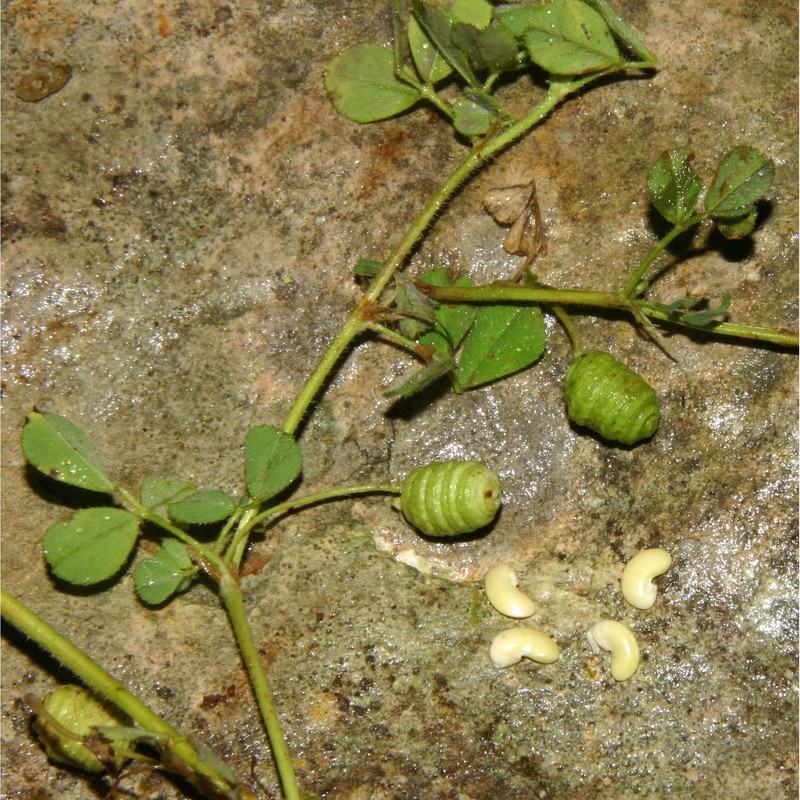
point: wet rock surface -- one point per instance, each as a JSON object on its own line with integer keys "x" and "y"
{"x": 180, "y": 222}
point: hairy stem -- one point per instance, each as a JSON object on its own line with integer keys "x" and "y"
{"x": 728, "y": 330}
{"x": 355, "y": 322}
{"x": 498, "y": 293}
{"x": 608, "y": 300}
{"x": 234, "y": 604}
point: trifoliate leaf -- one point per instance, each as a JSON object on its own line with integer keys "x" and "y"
{"x": 62, "y": 451}
{"x": 362, "y": 85}
{"x": 92, "y": 546}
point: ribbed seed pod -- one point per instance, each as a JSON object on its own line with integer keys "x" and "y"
{"x": 79, "y": 712}
{"x": 610, "y": 398}
{"x": 448, "y": 498}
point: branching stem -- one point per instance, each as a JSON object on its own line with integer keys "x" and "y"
{"x": 481, "y": 152}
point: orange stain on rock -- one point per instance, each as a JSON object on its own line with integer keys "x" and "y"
{"x": 165, "y": 26}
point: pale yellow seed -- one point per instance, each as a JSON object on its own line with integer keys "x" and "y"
{"x": 503, "y": 594}
{"x": 637, "y": 577}
{"x": 514, "y": 644}
{"x": 617, "y": 639}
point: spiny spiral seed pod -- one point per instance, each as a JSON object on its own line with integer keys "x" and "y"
{"x": 610, "y": 398}
{"x": 448, "y": 498}
{"x": 77, "y": 711}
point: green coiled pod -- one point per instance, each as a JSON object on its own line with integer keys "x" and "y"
{"x": 74, "y": 710}
{"x": 610, "y": 398}
{"x": 448, "y": 498}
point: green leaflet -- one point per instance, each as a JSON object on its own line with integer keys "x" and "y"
{"x": 710, "y": 314}
{"x": 431, "y": 65}
{"x": 438, "y": 26}
{"x": 744, "y": 174}
{"x": 202, "y": 508}
{"x": 157, "y": 579}
{"x": 157, "y": 493}
{"x": 471, "y": 119}
{"x": 515, "y": 18}
{"x": 272, "y": 461}
{"x": 622, "y": 30}
{"x": 473, "y": 12}
{"x": 454, "y": 320}
{"x": 62, "y": 451}
{"x": 491, "y": 49}
{"x": 568, "y": 37}
{"x": 92, "y": 546}
{"x": 362, "y": 84}
{"x": 502, "y": 340}
{"x": 740, "y": 227}
{"x": 674, "y": 186}
{"x": 682, "y": 310}
{"x": 442, "y": 364}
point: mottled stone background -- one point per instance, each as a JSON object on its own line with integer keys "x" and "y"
{"x": 180, "y": 223}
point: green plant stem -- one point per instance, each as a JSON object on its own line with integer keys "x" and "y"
{"x": 498, "y": 293}
{"x": 236, "y": 549}
{"x": 571, "y": 330}
{"x": 632, "y": 286}
{"x": 238, "y": 514}
{"x": 234, "y": 604}
{"x": 732, "y": 330}
{"x": 608, "y": 300}
{"x": 319, "y": 497}
{"x": 432, "y": 96}
{"x": 94, "y": 676}
{"x": 393, "y": 336}
{"x": 355, "y": 322}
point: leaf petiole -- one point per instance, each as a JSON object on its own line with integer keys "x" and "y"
{"x": 632, "y": 287}
{"x": 312, "y": 499}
